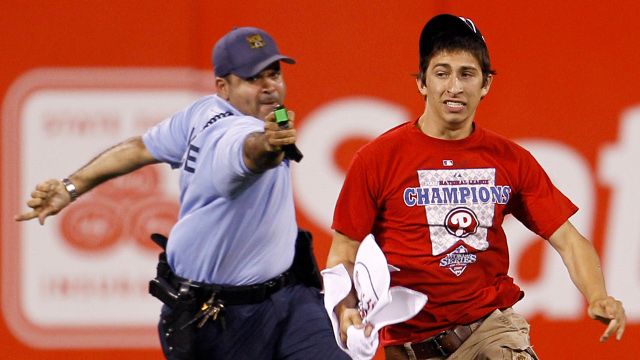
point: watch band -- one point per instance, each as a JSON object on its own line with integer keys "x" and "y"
{"x": 71, "y": 189}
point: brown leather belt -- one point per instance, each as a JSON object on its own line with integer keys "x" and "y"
{"x": 441, "y": 345}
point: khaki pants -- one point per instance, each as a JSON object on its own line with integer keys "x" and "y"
{"x": 503, "y": 335}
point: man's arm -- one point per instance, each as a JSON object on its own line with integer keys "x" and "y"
{"x": 51, "y": 196}
{"x": 343, "y": 251}
{"x": 583, "y": 264}
{"x": 263, "y": 150}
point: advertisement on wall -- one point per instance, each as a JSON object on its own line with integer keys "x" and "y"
{"x": 77, "y": 286}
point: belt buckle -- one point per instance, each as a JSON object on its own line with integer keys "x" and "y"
{"x": 276, "y": 282}
{"x": 270, "y": 284}
{"x": 436, "y": 340}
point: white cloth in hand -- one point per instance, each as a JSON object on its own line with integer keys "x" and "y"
{"x": 379, "y": 305}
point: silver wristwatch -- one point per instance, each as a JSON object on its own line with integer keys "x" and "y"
{"x": 71, "y": 189}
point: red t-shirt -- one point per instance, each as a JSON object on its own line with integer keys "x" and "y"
{"x": 436, "y": 209}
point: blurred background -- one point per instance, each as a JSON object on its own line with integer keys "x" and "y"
{"x": 79, "y": 76}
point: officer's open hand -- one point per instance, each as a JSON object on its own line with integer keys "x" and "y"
{"x": 47, "y": 199}
{"x": 611, "y": 312}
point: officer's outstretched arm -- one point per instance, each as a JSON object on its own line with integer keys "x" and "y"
{"x": 51, "y": 196}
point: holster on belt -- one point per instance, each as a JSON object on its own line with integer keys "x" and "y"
{"x": 160, "y": 287}
{"x": 180, "y": 337}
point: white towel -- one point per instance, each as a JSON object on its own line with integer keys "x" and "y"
{"x": 379, "y": 305}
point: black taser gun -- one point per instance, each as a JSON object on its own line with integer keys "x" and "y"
{"x": 291, "y": 151}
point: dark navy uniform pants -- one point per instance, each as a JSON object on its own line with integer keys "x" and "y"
{"x": 291, "y": 324}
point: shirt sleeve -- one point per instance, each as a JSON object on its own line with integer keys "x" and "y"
{"x": 539, "y": 205}
{"x": 168, "y": 140}
{"x": 229, "y": 171}
{"x": 356, "y": 207}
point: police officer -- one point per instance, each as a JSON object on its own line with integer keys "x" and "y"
{"x": 227, "y": 280}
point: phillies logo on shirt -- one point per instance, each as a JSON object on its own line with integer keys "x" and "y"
{"x": 459, "y": 206}
{"x": 461, "y": 222}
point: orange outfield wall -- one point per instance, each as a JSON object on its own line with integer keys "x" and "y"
{"x": 567, "y": 73}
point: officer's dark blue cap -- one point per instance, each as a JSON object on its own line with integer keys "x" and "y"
{"x": 446, "y": 25}
{"x": 246, "y": 51}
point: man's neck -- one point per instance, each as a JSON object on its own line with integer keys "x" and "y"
{"x": 445, "y": 131}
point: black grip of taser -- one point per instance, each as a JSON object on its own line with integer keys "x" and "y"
{"x": 291, "y": 151}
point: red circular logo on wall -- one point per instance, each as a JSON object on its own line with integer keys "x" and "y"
{"x": 131, "y": 207}
{"x": 91, "y": 227}
{"x": 150, "y": 216}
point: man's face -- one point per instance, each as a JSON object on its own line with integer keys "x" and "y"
{"x": 453, "y": 88}
{"x": 256, "y": 96}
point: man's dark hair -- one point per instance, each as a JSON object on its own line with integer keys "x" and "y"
{"x": 447, "y": 43}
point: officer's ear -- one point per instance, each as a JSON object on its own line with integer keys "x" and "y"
{"x": 222, "y": 85}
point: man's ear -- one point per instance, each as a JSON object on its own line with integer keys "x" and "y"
{"x": 422, "y": 87}
{"x": 485, "y": 88}
{"x": 223, "y": 87}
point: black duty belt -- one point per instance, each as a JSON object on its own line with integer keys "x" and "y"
{"x": 233, "y": 295}
{"x": 172, "y": 289}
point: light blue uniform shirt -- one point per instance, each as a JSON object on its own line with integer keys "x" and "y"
{"x": 235, "y": 227}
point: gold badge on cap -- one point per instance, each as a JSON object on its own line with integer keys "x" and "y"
{"x": 255, "y": 41}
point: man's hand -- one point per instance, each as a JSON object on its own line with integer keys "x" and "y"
{"x": 609, "y": 311}
{"x": 263, "y": 150}
{"x": 348, "y": 317}
{"x": 277, "y": 136}
{"x": 583, "y": 264}
{"x": 47, "y": 199}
